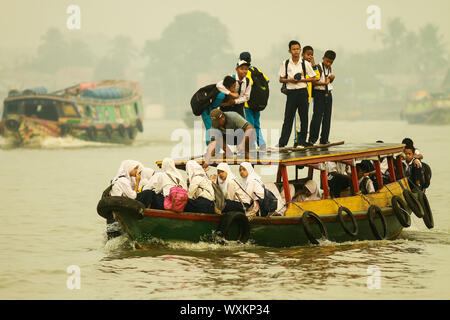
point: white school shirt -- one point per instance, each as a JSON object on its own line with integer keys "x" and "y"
{"x": 369, "y": 184}
{"x": 338, "y": 167}
{"x": 326, "y": 71}
{"x": 293, "y": 69}
{"x": 244, "y": 96}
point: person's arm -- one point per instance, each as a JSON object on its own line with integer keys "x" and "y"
{"x": 246, "y": 96}
{"x": 249, "y": 135}
{"x": 210, "y": 152}
{"x": 225, "y": 91}
{"x": 193, "y": 187}
{"x": 312, "y": 75}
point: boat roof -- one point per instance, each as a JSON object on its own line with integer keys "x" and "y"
{"x": 305, "y": 156}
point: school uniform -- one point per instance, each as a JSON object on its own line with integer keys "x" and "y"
{"x": 200, "y": 191}
{"x": 297, "y": 100}
{"x": 337, "y": 182}
{"x": 323, "y": 101}
{"x": 244, "y": 89}
{"x": 205, "y": 114}
{"x": 234, "y": 195}
{"x": 366, "y": 185}
{"x": 414, "y": 174}
{"x": 297, "y": 118}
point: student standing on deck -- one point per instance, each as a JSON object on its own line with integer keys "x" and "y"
{"x": 323, "y": 101}
{"x": 252, "y": 116}
{"x": 291, "y": 73}
{"x": 308, "y": 55}
{"x": 244, "y": 88}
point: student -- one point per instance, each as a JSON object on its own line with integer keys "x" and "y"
{"x": 123, "y": 184}
{"x": 339, "y": 177}
{"x": 244, "y": 88}
{"x": 161, "y": 183}
{"x": 146, "y": 175}
{"x": 229, "y": 128}
{"x": 310, "y": 193}
{"x": 252, "y": 116}
{"x": 307, "y": 55}
{"x": 323, "y": 100}
{"x": 410, "y": 144}
{"x": 200, "y": 191}
{"x": 365, "y": 183}
{"x": 230, "y": 84}
{"x": 297, "y": 93}
{"x": 234, "y": 195}
{"x": 413, "y": 170}
{"x": 252, "y": 184}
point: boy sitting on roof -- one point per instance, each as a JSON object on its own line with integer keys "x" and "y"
{"x": 229, "y": 128}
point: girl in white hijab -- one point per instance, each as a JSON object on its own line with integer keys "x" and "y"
{"x": 123, "y": 184}
{"x": 251, "y": 181}
{"x": 200, "y": 191}
{"x": 230, "y": 187}
{"x": 312, "y": 192}
{"x": 146, "y": 175}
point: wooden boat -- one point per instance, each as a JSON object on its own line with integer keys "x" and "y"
{"x": 105, "y": 111}
{"x": 381, "y": 215}
{"x": 427, "y": 108}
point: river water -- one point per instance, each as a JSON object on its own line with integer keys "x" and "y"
{"x": 49, "y": 223}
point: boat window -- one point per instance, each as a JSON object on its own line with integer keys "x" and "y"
{"x": 14, "y": 107}
{"x": 69, "y": 110}
{"x": 118, "y": 113}
{"x": 41, "y": 109}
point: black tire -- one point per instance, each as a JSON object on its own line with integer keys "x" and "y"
{"x": 228, "y": 219}
{"x": 130, "y": 132}
{"x": 107, "y": 205}
{"x": 139, "y": 125}
{"x": 400, "y": 210}
{"x": 92, "y": 133}
{"x": 413, "y": 203}
{"x": 428, "y": 215}
{"x": 355, "y": 231}
{"x": 307, "y": 229}
{"x": 65, "y": 129}
{"x": 121, "y": 130}
{"x": 108, "y": 131}
{"x": 373, "y": 209}
{"x": 12, "y": 125}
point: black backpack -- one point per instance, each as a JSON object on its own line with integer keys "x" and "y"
{"x": 203, "y": 98}
{"x": 426, "y": 175}
{"x": 259, "y": 96}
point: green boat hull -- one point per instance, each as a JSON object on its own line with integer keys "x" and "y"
{"x": 271, "y": 232}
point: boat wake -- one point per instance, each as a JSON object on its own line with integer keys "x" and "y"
{"x": 53, "y": 143}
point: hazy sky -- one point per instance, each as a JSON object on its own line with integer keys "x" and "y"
{"x": 253, "y": 25}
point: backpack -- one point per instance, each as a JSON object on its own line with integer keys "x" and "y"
{"x": 269, "y": 203}
{"x": 219, "y": 201}
{"x": 203, "y": 98}
{"x": 259, "y": 95}
{"x": 426, "y": 175}
{"x": 176, "y": 200}
{"x": 284, "y": 89}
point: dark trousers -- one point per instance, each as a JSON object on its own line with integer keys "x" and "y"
{"x": 149, "y": 197}
{"x": 297, "y": 100}
{"x": 200, "y": 205}
{"x": 321, "y": 116}
{"x": 337, "y": 184}
{"x": 233, "y": 206}
{"x": 239, "y": 108}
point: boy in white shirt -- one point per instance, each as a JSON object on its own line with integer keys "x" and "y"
{"x": 291, "y": 74}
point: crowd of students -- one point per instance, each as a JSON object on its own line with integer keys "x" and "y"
{"x": 302, "y": 80}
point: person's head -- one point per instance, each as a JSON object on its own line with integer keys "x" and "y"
{"x": 310, "y": 187}
{"x": 308, "y": 53}
{"x": 295, "y": 48}
{"x": 245, "y": 56}
{"x": 134, "y": 171}
{"x": 242, "y": 69}
{"x": 218, "y": 118}
{"x": 222, "y": 174}
{"x": 408, "y": 142}
{"x": 409, "y": 153}
{"x": 229, "y": 82}
{"x": 360, "y": 170}
{"x": 246, "y": 169}
{"x": 328, "y": 58}
{"x": 243, "y": 172}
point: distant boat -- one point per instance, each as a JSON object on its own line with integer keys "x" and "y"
{"x": 104, "y": 111}
{"x": 426, "y": 108}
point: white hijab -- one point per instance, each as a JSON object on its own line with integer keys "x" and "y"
{"x": 146, "y": 175}
{"x": 168, "y": 167}
{"x": 252, "y": 184}
{"x": 194, "y": 169}
{"x": 199, "y": 183}
{"x": 311, "y": 185}
{"x": 223, "y": 184}
{"x": 125, "y": 167}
